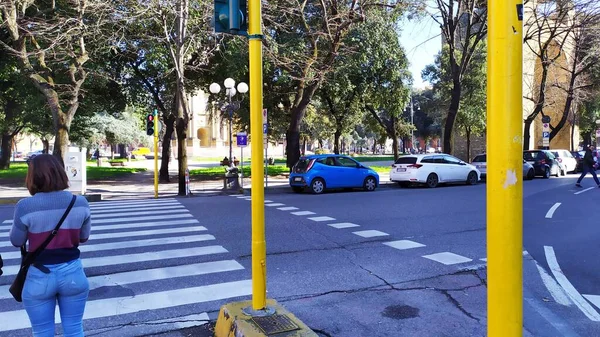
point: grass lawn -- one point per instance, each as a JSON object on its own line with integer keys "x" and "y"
{"x": 214, "y": 173}
{"x": 19, "y": 171}
{"x": 381, "y": 169}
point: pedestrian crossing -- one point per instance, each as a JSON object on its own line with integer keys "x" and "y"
{"x": 146, "y": 260}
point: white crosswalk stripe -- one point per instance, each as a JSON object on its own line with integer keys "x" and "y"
{"x": 163, "y": 258}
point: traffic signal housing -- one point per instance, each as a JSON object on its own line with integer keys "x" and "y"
{"x": 150, "y": 124}
{"x": 231, "y": 17}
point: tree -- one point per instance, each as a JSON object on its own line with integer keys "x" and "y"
{"x": 464, "y": 28}
{"x": 50, "y": 41}
{"x": 304, "y": 39}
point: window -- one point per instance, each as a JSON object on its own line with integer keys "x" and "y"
{"x": 329, "y": 161}
{"x": 429, "y": 160}
{"x": 407, "y": 160}
{"x": 480, "y": 158}
{"x": 532, "y": 155}
{"x": 439, "y": 160}
{"x": 451, "y": 160}
{"x": 346, "y": 162}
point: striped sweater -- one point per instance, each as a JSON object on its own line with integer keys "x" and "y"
{"x": 36, "y": 217}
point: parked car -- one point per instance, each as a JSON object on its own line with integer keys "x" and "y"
{"x": 432, "y": 170}
{"x": 480, "y": 162}
{"x": 544, "y": 163}
{"x": 579, "y": 157}
{"x": 330, "y": 171}
{"x": 566, "y": 160}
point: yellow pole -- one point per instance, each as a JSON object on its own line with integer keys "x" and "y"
{"x": 259, "y": 246}
{"x": 155, "y": 154}
{"x": 505, "y": 167}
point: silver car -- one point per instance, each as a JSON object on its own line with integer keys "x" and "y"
{"x": 480, "y": 161}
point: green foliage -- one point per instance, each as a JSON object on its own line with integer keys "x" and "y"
{"x": 215, "y": 173}
{"x": 17, "y": 172}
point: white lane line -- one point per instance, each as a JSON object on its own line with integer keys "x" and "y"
{"x": 266, "y": 201}
{"x": 161, "y": 255}
{"x": 287, "y": 208}
{"x": 557, "y": 293}
{"x": 404, "y": 244}
{"x": 448, "y": 258}
{"x": 130, "y": 202}
{"x": 149, "y": 232}
{"x": 304, "y": 213}
{"x": 552, "y": 210}
{"x": 13, "y": 320}
{"x": 91, "y": 247}
{"x": 154, "y": 208}
{"x": 342, "y": 225}
{"x": 156, "y": 274}
{"x": 275, "y": 204}
{"x": 7, "y": 221}
{"x": 152, "y": 212}
{"x": 575, "y": 296}
{"x": 322, "y": 218}
{"x": 137, "y": 206}
{"x": 142, "y": 218}
{"x": 370, "y": 233}
{"x": 587, "y": 189}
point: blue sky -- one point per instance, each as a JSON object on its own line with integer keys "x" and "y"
{"x": 421, "y": 41}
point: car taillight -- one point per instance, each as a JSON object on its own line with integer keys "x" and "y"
{"x": 415, "y": 166}
{"x": 543, "y": 162}
{"x": 310, "y": 165}
{"x": 559, "y": 160}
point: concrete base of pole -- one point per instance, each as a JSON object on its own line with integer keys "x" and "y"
{"x": 235, "y": 321}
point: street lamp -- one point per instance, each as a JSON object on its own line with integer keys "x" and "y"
{"x": 412, "y": 114}
{"x": 230, "y": 91}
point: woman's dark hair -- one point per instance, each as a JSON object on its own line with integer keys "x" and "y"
{"x": 46, "y": 174}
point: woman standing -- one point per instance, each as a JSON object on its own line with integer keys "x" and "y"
{"x": 57, "y": 274}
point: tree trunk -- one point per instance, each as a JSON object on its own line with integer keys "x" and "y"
{"x": 61, "y": 143}
{"x": 6, "y": 151}
{"x": 45, "y": 145}
{"x": 452, "y": 112}
{"x": 395, "y": 147}
{"x": 468, "y": 134}
{"x": 573, "y": 148}
{"x": 163, "y": 173}
{"x": 527, "y": 133}
{"x": 336, "y": 141}
{"x": 293, "y": 132}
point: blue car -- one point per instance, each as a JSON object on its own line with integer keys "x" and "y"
{"x": 329, "y": 171}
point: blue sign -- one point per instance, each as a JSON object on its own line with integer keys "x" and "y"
{"x": 265, "y": 126}
{"x": 242, "y": 139}
{"x": 545, "y": 134}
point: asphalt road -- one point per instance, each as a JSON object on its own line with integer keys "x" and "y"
{"x": 395, "y": 262}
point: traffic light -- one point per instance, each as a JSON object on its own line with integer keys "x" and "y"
{"x": 150, "y": 125}
{"x": 230, "y": 17}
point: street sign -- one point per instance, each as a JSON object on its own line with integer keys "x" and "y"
{"x": 546, "y": 126}
{"x": 545, "y": 119}
{"x": 242, "y": 139}
{"x": 546, "y": 142}
{"x": 265, "y": 128}
{"x": 546, "y": 134}
{"x": 265, "y": 121}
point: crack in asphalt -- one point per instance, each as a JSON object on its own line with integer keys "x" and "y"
{"x": 458, "y": 305}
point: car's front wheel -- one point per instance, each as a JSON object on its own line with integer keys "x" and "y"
{"x": 472, "y": 178}
{"x": 370, "y": 184}
{"x": 317, "y": 186}
{"x": 546, "y": 173}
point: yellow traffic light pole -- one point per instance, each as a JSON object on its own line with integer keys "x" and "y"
{"x": 259, "y": 246}
{"x": 504, "y": 174}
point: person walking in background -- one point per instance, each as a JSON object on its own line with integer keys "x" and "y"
{"x": 57, "y": 274}
{"x": 589, "y": 165}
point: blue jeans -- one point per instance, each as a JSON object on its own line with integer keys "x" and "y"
{"x": 67, "y": 284}
{"x": 587, "y": 169}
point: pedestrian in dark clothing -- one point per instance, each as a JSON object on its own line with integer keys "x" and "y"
{"x": 588, "y": 166}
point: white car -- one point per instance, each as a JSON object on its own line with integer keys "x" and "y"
{"x": 432, "y": 170}
{"x": 566, "y": 160}
{"x": 480, "y": 162}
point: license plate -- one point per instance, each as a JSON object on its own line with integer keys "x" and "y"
{"x": 298, "y": 179}
{"x": 401, "y": 169}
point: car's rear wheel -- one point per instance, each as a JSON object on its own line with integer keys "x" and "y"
{"x": 530, "y": 174}
{"x": 297, "y": 189}
{"x": 432, "y": 180}
{"x": 472, "y": 178}
{"x": 317, "y": 186}
{"x": 370, "y": 184}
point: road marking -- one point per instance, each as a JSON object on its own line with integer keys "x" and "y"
{"x": 321, "y": 218}
{"x": 557, "y": 293}
{"x": 143, "y": 218}
{"x": 139, "y": 225}
{"x": 275, "y": 204}
{"x": 121, "y": 209}
{"x": 552, "y": 210}
{"x": 587, "y": 189}
{"x": 287, "y": 208}
{"x": 342, "y": 225}
{"x": 90, "y": 262}
{"x": 447, "y": 258}
{"x": 404, "y": 244}
{"x": 145, "y": 275}
{"x": 575, "y": 296}
{"x": 13, "y": 320}
{"x": 7, "y": 221}
{"x": 131, "y": 202}
{"x": 91, "y": 247}
{"x": 137, "y": 206}
{"x": 304, "y": 213}
{"x": 559, "y": 324}
{"x": 370, "y": 233}
{"x": 266, "y": 201}
{"x": 152, "y": 212}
